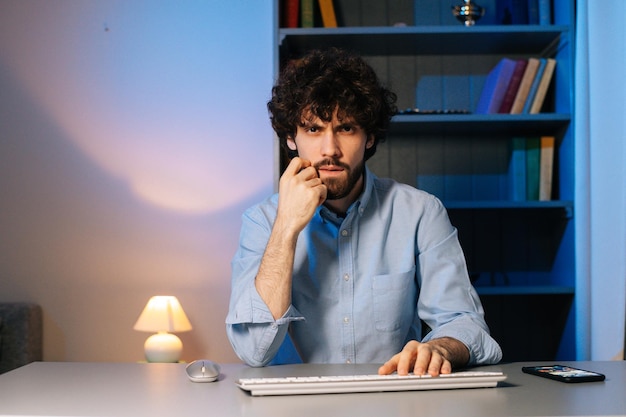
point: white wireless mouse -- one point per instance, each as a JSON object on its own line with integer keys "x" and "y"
{"x": 203, "y": 370}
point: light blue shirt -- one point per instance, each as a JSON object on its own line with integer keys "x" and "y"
{"x": 362, "y": 285}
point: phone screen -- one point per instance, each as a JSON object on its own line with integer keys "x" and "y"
{"x": 564, "y": 373}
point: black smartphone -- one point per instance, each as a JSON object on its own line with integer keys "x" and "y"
{"x": 563, "y": 373}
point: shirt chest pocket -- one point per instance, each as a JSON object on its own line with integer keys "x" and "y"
{"x": 394, "y": 300}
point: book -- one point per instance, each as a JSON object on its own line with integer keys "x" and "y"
{"x": 545, "y": 12}
{"x": 495, "y": 87}
{"x": 512, "y": 12}
{"x": 533, "y": 12}
{"x": 534, "y": 86}
{"x": 290, "y": 13}
{"x": 524, "y": 87}
{"x": 542, "y": 89}
{"x": 511, "y": 90}
{"x": 532, "y": 168}
{"x": 517, "y": 169}
{"x": 306, "y": 13}
{"x": 329, "y": 19}
{"x": 546, "y": 164}
{"x": 503, "y": 12}
{"x": 520, "y": 12}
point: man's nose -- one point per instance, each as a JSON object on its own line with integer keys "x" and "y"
{"x": 329, "y": 145}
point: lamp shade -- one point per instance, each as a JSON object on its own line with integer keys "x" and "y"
{"x": 163, "y": 313}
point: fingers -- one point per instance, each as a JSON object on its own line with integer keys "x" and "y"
{"x": 323, "y": 193}
{"x": 301, "y": 168}
{"x": 301, "y": 192}
{"x": 419, "y": 358}
{"x": 296, "y": 165}
{"x": 389, "y": 367}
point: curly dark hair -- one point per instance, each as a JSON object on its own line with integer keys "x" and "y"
{"x": 323, "y": 81}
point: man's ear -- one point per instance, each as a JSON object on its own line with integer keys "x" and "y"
{"x": 370, "y": 142}
{"x": 291, "y": 144}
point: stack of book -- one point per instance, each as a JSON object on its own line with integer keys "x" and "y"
{"x": 516, "y": 86}
{"x": 531, "y": 168}
{"x": 307, "y": 13}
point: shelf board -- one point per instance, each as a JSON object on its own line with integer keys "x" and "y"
{"x": 426, "y": 40}
{"x": 492, "y": 124}
{"x": 506, "y": 204}
{"x": 525, "y": 290}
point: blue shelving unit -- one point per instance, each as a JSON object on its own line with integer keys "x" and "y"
{"x": 521, "y": 254}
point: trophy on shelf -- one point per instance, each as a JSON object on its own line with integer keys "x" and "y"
{"x": 468, "y": 12}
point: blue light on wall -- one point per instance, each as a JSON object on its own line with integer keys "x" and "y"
{"x": 156, "y": 94}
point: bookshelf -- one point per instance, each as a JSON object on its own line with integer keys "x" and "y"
{"x": 520, "y": 254}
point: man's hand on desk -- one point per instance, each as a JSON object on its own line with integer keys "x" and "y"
{"x": 437, "y": 356}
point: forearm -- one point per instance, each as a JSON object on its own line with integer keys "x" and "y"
{"x": 273, "y": 281}
{"x": 471, "y": 330}
{"x": 253, "y": 332}
{"x": 300, "y": 193}
{"x": 451, "y": 349}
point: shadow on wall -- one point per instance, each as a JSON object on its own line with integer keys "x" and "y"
{"x": 122, "y": 178}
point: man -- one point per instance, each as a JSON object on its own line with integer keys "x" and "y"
{"x": 341, "y": 264}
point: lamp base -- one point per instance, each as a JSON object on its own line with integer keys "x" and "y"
{"x": 163, "y": 347}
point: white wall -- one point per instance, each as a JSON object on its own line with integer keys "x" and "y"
{"x": 607, "y": 65}
{"x": 132, "y": 136}
{"x": 601, "y": 170}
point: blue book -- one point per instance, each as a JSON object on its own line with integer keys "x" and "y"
{"x": 545, "y": 12}
{"x": 495, "y": 87}
{"x": 512, "y": 12}
{"x": 534, "y": 86}
{"x": 533, "y": 12}
{"x": 517, "y": 169}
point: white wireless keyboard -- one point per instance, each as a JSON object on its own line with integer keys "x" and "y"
{"x": 368, "y": 383}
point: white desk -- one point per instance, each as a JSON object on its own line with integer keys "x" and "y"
{"x": 125, "y": 389}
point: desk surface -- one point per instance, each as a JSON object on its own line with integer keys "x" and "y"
{"x": 125, "y": 389}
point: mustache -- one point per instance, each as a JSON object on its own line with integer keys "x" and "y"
{"x": 329, "y": 162}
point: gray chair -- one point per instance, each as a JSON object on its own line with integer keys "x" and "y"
{"x": 20, "y": 335}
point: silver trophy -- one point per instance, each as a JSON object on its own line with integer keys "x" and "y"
{"x": 468, "y": 12}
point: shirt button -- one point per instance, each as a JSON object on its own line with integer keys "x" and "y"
{"x": 344, "y": 233}
{"x": 346, "y": 320}
{"x": 348, "y": 361}
{"x": 346, "y": 277}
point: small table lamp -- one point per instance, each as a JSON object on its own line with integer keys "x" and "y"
{"x": 163, "y": 314}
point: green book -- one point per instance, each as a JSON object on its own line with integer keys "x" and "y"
{"x": 306, "y": 13}
{"x": 533, "y": 153}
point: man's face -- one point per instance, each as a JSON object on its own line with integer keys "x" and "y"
{"x": 336, "y": 149}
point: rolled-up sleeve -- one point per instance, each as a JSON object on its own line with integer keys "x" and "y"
{"x": 251, "y": 329}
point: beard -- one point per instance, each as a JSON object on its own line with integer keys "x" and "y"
{"x": 337, "y": 188}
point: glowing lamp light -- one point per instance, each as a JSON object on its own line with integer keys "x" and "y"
{"x": 163, "y": 314}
